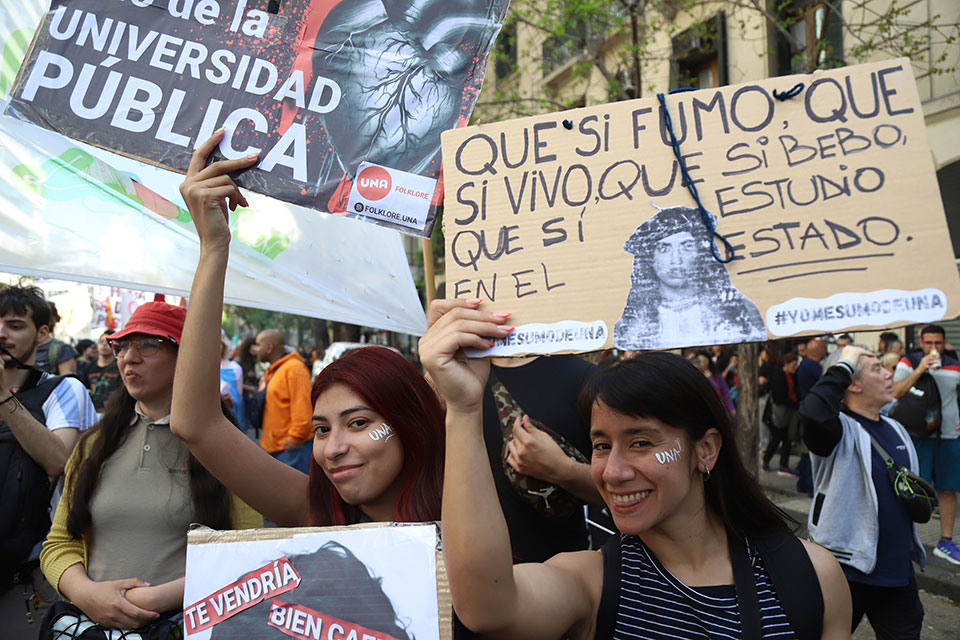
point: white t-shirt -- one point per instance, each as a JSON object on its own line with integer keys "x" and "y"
{"x": 947, "y": 378}
{"x": 68, "y": 406}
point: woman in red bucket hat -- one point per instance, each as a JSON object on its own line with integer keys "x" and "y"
{"x": 378, "y": 425}
{"x": 117, "y": 547}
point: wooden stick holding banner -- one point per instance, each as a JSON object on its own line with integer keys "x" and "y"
{"x": 429, "y": 273}
{"x": 584, "y": 227}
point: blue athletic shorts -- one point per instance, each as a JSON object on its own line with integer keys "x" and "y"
{"x": 947, "y": 468}
{"x": 926, "y": 454}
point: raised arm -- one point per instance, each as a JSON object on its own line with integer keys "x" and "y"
{"x": 49, "y": 445}
{"x": 901, "y": 386}
{"x": 536, "y": 601}
{"x": 277, "y": 491}
{"x": 534, "y": 453}
{"x": 820, "y": 410}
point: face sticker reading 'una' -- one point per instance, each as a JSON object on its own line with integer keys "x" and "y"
{"x": 384, "y": 432}
{"x": 663, "y": 457}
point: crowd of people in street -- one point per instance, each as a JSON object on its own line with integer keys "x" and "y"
{"x": 578, "y": 499}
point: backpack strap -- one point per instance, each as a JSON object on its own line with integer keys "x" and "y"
{"x": 610, "y": 592}
{"x": 53, "y": 356}
{"x": 795, "y": 581}
{"x": 886, "y": 457}
{"x": 40, "y": 389}
{"x": 746, "y": 585}
{"x": 34, "y": 393}
{"x": 26, "y": 500}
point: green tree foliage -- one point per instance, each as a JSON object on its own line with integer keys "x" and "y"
{"x": 244, "y": 321}
{"x": 617, "y": 40}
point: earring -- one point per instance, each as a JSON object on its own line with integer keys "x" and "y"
{"x": 705, "y": 473}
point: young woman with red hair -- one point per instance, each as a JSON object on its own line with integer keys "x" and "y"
{"x": 409, "y": 408}
{"x": 378, "y": 425}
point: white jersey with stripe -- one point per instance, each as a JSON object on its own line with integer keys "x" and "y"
{"x": 947, "y": 378}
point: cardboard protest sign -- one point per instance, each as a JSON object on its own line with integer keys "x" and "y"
{"x": 316, "y": 89}
{"x": 364, "y": 582}
{"x": 582, "y": 224}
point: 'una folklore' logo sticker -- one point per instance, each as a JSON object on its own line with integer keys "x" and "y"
{"x": 374, "y": 183}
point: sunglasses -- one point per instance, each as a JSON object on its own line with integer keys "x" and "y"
{"x": 147, "y": 347}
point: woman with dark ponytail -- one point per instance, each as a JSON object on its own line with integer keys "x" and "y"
{"x": 117, "y": 547}
{"x": 702, "y": 554}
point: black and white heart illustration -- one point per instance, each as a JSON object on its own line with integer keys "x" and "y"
{"x": 406, "y": 71}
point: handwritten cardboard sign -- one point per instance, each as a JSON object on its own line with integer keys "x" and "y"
{"x": 316, "y": 88}
{"x": 581, "y": 222}
{"x": 364, "y": 582}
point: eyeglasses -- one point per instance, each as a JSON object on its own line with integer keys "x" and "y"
{"x": 147, "y": 347}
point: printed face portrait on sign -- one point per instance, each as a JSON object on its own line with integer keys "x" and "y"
{"x": 316, "y": 87}
{"x": 375, "y": 582}
{"x": 678, "y": 291}
{"x": 584, "y": 225}
{"x": 322, "y": 601}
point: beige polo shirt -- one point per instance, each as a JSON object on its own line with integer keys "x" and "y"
{"x": 141, "y": 508}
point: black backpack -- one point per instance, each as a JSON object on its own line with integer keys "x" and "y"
{"x": 919, "y": 409}
{"x": 26, "y": 489}
{"x": 53, "y": 356}
{"x": 255, "y": 409}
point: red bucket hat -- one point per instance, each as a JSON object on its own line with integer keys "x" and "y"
{"x": 157, "y": 319}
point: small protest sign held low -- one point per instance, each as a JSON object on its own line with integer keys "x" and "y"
{"x": 364, "y": 582}
{"x": 316, "y": 88}
{"x": 820, "y": 213}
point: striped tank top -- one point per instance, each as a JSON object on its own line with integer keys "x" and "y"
{"x": 647, "y": 602}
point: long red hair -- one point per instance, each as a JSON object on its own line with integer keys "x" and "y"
{"x": 394, "y": 388}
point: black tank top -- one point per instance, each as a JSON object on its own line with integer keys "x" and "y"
{"x": 642, "y": 600}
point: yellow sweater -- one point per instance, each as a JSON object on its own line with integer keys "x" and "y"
{"x": 61, "y": 550}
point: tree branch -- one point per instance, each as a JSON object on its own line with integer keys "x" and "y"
{"x": 541, "y": 101}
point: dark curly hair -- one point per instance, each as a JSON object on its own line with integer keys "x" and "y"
{"x": 24, "y": 299}
{"x": 335, "y": 583}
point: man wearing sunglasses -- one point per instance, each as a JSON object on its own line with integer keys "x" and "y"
{"x": 40, "y": 418}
